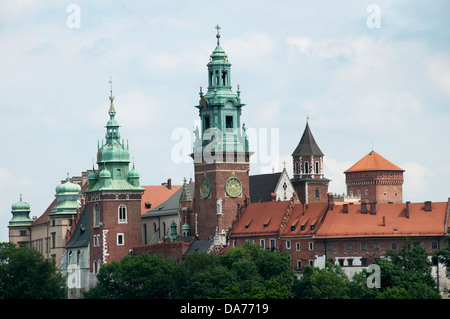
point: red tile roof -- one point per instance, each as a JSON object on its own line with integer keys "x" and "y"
{"x": 373, "y": 162}
{"x": 303, "y": 217}
{"x": 390, "y": 220}
{"x": 155, "y": 195}
{"x": 262, "y": 218}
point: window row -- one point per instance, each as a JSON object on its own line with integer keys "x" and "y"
{"x": 121, "y": 218}
{"x": 376, "y": 246}
{"x": 307, "y": 168}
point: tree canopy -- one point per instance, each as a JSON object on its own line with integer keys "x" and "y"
{"x": 26, "y": 274}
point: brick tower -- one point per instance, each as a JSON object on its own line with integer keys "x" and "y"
{"x": 220, "y": 152}
{"x": 309, "y": 182}
{"x": 375, "y": 179}
{"x": 114, "y": 199}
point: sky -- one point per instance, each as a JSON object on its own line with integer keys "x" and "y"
{"x": 368, "y": 75}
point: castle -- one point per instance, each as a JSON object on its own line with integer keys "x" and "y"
{"x": 106, "y": 214}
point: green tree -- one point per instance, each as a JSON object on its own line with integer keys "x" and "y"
{"x": 327, "y": 283}
{"x": 144, "y": 276}
{"x": 26, "y": 274}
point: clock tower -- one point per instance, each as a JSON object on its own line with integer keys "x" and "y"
{"x": 220, "y": 153}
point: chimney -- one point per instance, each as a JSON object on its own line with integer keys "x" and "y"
{"x": 373, "y": 208}
{"x": 428, "y": 206}
{"x": 345, "y": 208}
{"x": 363, "y": 208}
{"x": 407, "y": 209}
{"x": 330, "y": 201}
{"x": 384, "y": 221}
{"x": 273, "y": 197}
{"x": 169, "y": 183}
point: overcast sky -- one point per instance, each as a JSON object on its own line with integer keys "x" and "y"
{"x": 368, "y": 74}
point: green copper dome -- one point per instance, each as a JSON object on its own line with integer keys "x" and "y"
{"x": 20, "y": 206}
{"x": 68, "y": 187}
{"x": 21, "y": 214}
{"x": 67, "y": 198}
{"x": 113, "y": 160}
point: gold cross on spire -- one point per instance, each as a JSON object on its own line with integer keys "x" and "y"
{"x": 217, "y": 27}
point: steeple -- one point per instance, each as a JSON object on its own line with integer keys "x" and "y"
{"x": 307, "y": 145}
{"x": 220, "y": 108}
{"x": 113, "y": 159}
{"x": 309, "y": 181}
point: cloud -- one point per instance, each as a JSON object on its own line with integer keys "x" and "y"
{"x": 437, "y": 69}
{"x": 415, "y": 182}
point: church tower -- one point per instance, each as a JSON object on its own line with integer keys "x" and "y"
{"x": 114, "y": 199}
{"x": 220, "y": 152}
{"x": 19, "y": 225}
{"x": 309, "y": 182}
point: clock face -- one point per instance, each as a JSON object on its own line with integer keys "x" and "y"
{"x": 205, "y": 187}
{"x": 233, "y": 187}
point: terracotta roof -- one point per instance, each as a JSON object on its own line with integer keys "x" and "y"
{"x": 303, "y": 217}
{"x": 261, "y": 219}
{"x": 389, "y": 220}
{"x": 155, "y": 195}
{"x": 373, "y": 162}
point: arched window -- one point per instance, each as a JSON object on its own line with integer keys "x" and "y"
{"x": 96, "y": 215}
{"x": 317, "y": 167}
{"x": 306, "y": 167}
{"x": 317, "y": 193}
{"x": 122, "y": 214}
{"x": 164, "y": 228}
{"x": 95, "y": 266}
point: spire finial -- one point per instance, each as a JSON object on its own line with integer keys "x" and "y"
{"x": 217, "y": 27}
{"x": 67, "y": 176}
{"x": 112, "y": 110}
{"x": 20, "y": 196}
{"x": 110, "y": 85}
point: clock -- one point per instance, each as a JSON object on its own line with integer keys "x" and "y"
{"x": 233, "y": 187}
{"x": 205, "y": 187}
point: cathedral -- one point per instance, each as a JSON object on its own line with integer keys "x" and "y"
{"x": 105, "y": 214}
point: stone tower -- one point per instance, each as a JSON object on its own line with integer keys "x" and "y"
{"x": 375, "y": 180}
{"x": 220, "y": 152}
{"x": 114, "y": 199}
{"x": 309, "y": 182}
{"x": 19, "y": 225}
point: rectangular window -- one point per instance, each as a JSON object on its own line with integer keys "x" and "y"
{"x": 53, "y": 240}
{"x": 349, "y": 246}
{"x": 363, "y": 246}
{"x": 206, "y": 123}
{"x": 394, "y": 246}
{"x": 272, "y": 244}
{"x": 229, "y": 123}
{"x": 120, "y": 239}
{"x": 330, "y": 246}
{"x": 262, "y": 243}
{"x": 376, "y": 246}
{"x": 299, "y": 264}
{"x": 434, "y": 245}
